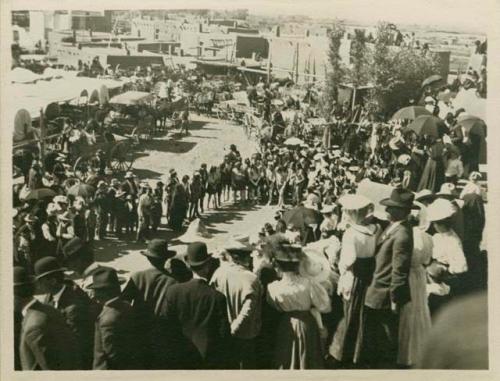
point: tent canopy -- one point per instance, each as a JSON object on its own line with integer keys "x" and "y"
{"x": 132, "y": 98}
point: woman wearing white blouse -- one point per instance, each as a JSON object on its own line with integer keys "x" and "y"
{"x": 356, "y": 266}
{"x": 301, "y": 300}
{"x": 448, "y": 258}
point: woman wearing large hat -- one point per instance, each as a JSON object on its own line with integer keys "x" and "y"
{"x": 356, "y": 266}
{"x": 448, "y": 259}
{"x": 298, "y": 332}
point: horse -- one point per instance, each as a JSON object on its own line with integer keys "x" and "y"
{"x": 204, "y": 101}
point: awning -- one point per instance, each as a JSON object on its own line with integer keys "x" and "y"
{"x": 132, "y": 98}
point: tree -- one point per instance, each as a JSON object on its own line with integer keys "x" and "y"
{"x": 337, "y": 72}
{"x": 397, "y": 73}
{"x": 360, "y": 59}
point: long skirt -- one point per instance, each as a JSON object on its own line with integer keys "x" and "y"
{"x": 414, "y": 319}
{"x": 433, "y": 176}
{"x": 298, "y": 344}
{"x": 348, "y": 339}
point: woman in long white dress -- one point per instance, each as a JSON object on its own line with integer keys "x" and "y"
{"x": 415, "y": 317}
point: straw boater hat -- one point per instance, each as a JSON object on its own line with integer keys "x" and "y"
{"x": 196, "y": 231}
{"x": 327, "y": 209}
{"x": 425, "y": 195}
{"x": 404, "y": 159}
{"x": 129, "y": 175}
{"x": 440, "y": 210}
{"x": 448, "y": 191}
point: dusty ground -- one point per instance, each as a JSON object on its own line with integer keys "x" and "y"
{"x": 206, "y": 144}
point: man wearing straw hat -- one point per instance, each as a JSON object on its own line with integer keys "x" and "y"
{"x": 243, "y": 293}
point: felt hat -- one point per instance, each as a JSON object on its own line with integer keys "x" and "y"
{"x": 289, "y": 253}
{"x": 440, "y": 209}
{"x": 197, "y": 254}
{"x": 46, "y": 266}
{"x": 102, "y": 184}
{"x": 400, "y": 198}
{"x": 105, "y": 278}
{"x": 158, "y": 248}
{"x": 73, "y": 247}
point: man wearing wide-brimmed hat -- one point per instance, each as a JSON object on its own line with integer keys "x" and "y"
{"x": 389, "y": 289}
{"x": 45, "y": 340}
{"x": 69, "y": 299}
{"x": 117, "y": 337}
{"x": 129, "y": 186}
{"x": 200, "y": 313}
{"x": 243, "y": 293}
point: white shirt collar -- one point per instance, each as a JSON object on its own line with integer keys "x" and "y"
{"x": 111, "y": 300}
{"x": 196, "y": 276}
{"x": 392, "y": 226}
{"x": 27, "y": 306}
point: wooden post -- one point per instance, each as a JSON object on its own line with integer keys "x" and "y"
{"x": 269, "y": 64}
{"x": 354, "y": 99}
{"x": 297, "y": 64}
{"x": 43, "y": 133}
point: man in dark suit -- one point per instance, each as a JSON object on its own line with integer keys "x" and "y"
{"x": 147, "y": 290}
{"x": 46, "y": 342}
{"x": 199, "y": 331}
{"x": 389, "y": 290}
{"x": 115, "y": 329}
{"x": 76, "y": 307}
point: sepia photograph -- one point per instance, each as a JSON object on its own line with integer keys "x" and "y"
{"x": 244, "y": 186}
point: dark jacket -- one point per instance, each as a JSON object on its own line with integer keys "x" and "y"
{"x": 198, "y": 326}
{"x": 392, "y": 266}
{"x": 115, "y": 337}
{"x": 47, "y": 343}
{"x": 80, "y": 313}
{"x": 146, "y": 290}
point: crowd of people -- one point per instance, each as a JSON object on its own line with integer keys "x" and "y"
{"x": 337, "y": 281}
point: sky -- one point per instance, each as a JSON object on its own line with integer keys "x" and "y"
{"x": 446, "y": 13}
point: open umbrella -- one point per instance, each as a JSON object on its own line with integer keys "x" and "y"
{"x": 410, "y": 112}
{"x": 293, "y": 141}
{"x": 432, "y": 80}
{"x": 300, "y": 217}
{"x": 82, "y": 190}
{"x": 39, "y": 194}
{"x": 472, "y": 124}
{"x": 427, "y": 125}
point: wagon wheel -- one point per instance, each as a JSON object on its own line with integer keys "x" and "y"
{"x": 81, "y": 167}
{"x": 121, "y": 159}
